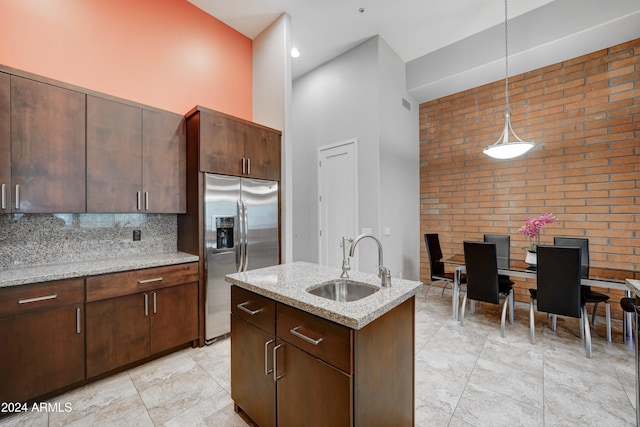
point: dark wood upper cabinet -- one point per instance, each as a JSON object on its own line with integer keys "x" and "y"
{"x": 114, "y": 156}
{"x": 164, "y": 167}
{"x": 47, "y": 148}
{"x": 136, "y": 159}
{"x": 232, "y": 146}
{"x": 5, "y": 142}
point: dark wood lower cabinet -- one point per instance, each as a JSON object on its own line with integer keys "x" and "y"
{"x": 349, "y": 377}
{"x": 310, "y": 391}
{"x": 42, "y": 339}
{"x": 252, "y": 371}
{"x": 126, "y": 329}
{"x": 117, "y": 333}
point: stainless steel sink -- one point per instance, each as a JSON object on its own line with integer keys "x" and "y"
{"x": 343, "y": 290}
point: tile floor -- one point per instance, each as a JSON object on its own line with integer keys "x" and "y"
{"x": 465, "y": 376}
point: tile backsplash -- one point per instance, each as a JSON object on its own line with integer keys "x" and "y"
{"x": 36, "y": 239}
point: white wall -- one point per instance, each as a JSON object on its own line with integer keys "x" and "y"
{"x": 356, "y": 95}
{"x": 272, "y": 89}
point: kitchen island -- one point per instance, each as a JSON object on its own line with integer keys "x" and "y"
{"x": 301, "y": 359}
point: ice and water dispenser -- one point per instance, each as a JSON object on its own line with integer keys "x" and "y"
{"x": 224, "y": 232}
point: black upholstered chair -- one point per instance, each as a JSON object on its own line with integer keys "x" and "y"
{"x": 482, "y": 279}
{"x": 503, "y": 254}
{"x": 591, "y": 297}
{"x": 559, "y": 291}
{"x": 438, "y": 274}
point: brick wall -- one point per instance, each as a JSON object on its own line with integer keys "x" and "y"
{"x": 584, "y": 114}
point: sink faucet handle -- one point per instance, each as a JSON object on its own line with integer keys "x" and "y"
{"x": 385, "y": 274}
{"x": 345, "y": 259}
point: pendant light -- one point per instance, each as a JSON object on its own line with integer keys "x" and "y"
{"x": 504, "y": 148}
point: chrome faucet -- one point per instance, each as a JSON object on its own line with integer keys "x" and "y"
{"x": 345, "y": 260}
{"x": 383, "y": 272}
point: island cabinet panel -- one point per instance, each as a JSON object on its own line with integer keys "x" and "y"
{"x": 252, "y": 386}
{"x": 43, "y": 339}
{"x": 5, "y": 143}
{"x": 136, "y": 314}
{"x": 310, "y": 391}
{"x": 47, "y": 148}
{"x": 318, "y": 372}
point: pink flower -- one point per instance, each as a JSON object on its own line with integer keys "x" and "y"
{"x": 532, "y": 227}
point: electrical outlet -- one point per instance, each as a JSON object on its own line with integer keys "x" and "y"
{"x": 137, "y": 235}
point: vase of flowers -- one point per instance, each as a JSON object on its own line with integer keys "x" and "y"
{"x": 532, "y": 228}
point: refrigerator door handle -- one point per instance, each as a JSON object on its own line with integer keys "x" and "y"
{"x": 245, "y": 234}
{"x": 240, "y": 246}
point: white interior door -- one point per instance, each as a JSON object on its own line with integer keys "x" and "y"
{"x": 337, "y": 199}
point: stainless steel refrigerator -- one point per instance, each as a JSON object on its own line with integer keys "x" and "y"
{"x": 240, "y": 233}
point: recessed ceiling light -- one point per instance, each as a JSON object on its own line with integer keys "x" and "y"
{"x": 295, "y": 52}
{"x": 361, "y": 10}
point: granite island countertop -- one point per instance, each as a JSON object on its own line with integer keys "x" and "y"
{"x": 22, "y": 275}
{"x": 287, "y": 283}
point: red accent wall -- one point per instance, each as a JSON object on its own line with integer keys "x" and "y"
{"x": 164, "y": 53}
{"x": 584, "y": 114}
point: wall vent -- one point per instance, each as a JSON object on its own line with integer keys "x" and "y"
{"x": 406, "y": 104}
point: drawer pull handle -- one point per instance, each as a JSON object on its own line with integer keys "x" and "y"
{"x": 37, "y": 299}
{"x": 267, "y": 371}
{"x": 246, "y": 310}
{"x": 295, "y": 332}
{"x": 155, "y": 279}
{"x": 276, "y": 377}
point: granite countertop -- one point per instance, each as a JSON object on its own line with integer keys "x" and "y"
{"x": 22, "y": 275}
{"x": 287, "y": 283}
{"x": 633, "y": 285}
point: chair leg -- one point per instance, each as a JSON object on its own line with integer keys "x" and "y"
{"x": 587, "y": 330}
{"x": 627, "y": 326}
{"x": 554, "y": 322}
{"x": 464, "y": 303}
{"x": 608, "y": 318}
{"x": 512, "y": 307}
{"x": 593, "y": 315}
{"x": 532, "y": 322}
{"x": 582, "y": 323}
{"x": 443, "y": 289}
{"x": 503, "y": 318}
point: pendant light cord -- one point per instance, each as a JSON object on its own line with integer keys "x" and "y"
{"x": 506, "y": 58}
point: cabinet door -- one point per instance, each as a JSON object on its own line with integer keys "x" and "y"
{"x": 262, "y": 149}
{"x": 221, "y": 144}
{"x": 114, "y": 156}
{"x": 164, "y": 162}
{"x": 117, "y": 332}
{"x": 5, "y": 144}
{"x": 47, "y": 147}
{"x": 311, "y": 392}
{"x": 252, "y": 387}
{"x": 41, "y": 352}
{"x": 174, "y": 316}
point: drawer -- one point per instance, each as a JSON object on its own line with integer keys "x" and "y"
{"x": 130, "y": 282}
{"x": 319, "y": 337}
{"x": 254, "y": 308}
{"x": 42, "y": 296}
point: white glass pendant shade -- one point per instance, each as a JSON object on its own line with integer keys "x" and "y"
{"x": 503, "y": 148}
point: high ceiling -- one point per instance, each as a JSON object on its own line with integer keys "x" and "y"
{"x": 422, "y": 29}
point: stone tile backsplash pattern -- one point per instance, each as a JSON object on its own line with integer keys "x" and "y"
{"x": 37, "y": 239}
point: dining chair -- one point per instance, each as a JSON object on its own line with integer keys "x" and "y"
{"x": 559, "y": 291}
{"x": 438, "y": 274}
{"x": 482, "y": 279}
{"x": 503, "y": 254}
{"x": 591, "y": 296}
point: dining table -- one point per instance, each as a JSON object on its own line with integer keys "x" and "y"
{"x": 601, "y": 277}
